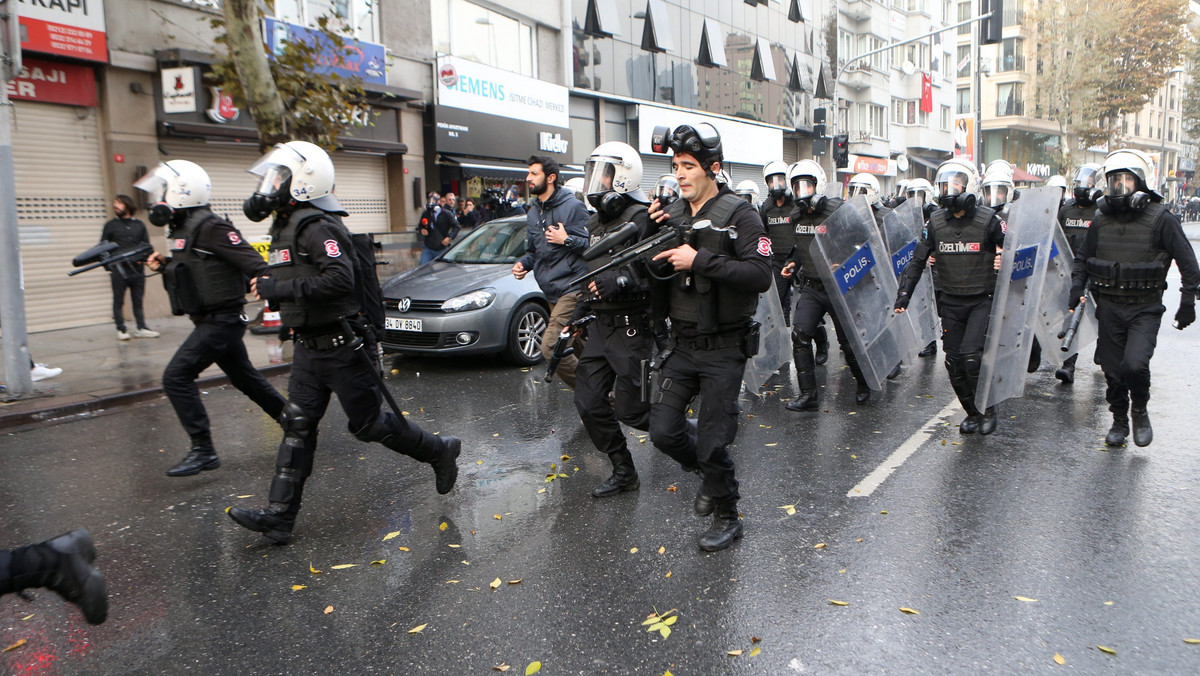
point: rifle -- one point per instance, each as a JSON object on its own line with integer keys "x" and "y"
{"x": 1068, "y": 335}
{"x": 610, "y": 241}
{"x": 669, "y": 237}
{"x": 102, "y": 255}
{"x": 563, "y": 348}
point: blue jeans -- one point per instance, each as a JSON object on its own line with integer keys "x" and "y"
{"x": 428, "y": 254}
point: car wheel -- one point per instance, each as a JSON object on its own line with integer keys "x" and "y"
{"x": 525, "y": 333}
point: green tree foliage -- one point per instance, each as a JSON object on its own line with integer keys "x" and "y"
{"x": 288, "y": 99}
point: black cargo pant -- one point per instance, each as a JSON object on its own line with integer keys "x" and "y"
{"x": 811, "y": 307}
{"x": 964, "y": 330}
{"x": 716, "y": 375}
{"x": 611, "y": 361}
{"x": 1128, "y": 336}
{"x": 784, "y": 286}
{"x": 217, "y": 339}
{"x": 137, "y": 290}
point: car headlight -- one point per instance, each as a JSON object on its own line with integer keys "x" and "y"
{"x": 470, "y": 301}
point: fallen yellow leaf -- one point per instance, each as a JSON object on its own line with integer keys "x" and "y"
{"x": 298, "y": 587}
{"x": 501, "y": 667}
{"x": 495, "y": 584}
{"x": 443, "y": 526}
{"x": 668, "y": 574}
{"x": 478, "y": 462}
{"x": 312, "y": 570}
{"x": 1189, "y": 641}
{"x": 343, "y": 566}
{"x": 516, "y": 581}
{"x": 776, "y": 443}
{"x": 909, "y": 611}
{"x": 819, "y": 545}
{"x": 1026, "y": 599}
{"x": 418, "y": 629}
{"x": 1108, "y": 603}
{"x": 1059, "y": 659}
{"x": 16, "y": 645}
{"x": 533, "y": 668}
{"x": 241, "y": 497}
{"x": 662, "y": 550}
{"x": 674, "y": 489}
{"x": 883, "y": 512}
{"x": 30, "y": 615}
{"x": 403, "y": 549}
{"x": 734, "y": 653}
{"x": 566, "y": 457}
{"x": 1106, "y": 649}
{"x": 454, "y": 546}
{"x": 633, "y": 550}
{"x": 451, "y": 581}
{"x": 390, "y": 535}
{"x": 497, "y": 517}
{"x": 839, "y": 603}
{"x": 756, "y": 650}
{"x": 227, "y": 509}
{"x": 328, "y": 609}
{"x": 380, "y": 562}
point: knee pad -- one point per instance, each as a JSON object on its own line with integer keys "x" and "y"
{"x": 971, "y": 364}
{"x": 804, "y": 336}
{"x": 295, "y": 422}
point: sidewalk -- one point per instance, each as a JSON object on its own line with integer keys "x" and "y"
{"x": 100, "y": 372}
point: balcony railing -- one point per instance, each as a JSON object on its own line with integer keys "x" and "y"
{"x": 1012, "y": 106}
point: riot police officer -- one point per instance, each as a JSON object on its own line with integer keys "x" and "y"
{"x": 812, "y": 208}
{"x": 1075, "y": 217}
{"x": 867, "y": 185}
{"x": 620, "y": 339}
{"x": 748, "y": 190}
{"x": 965, "y": 236}
{"x": 922, "y": 190}
{"x": 711, "y": 302}
{"x": 776, "y": 212}
{"x": 320, "y": 289}
{"x": 1124, "y": 260}
{"x": 205, "y": 278}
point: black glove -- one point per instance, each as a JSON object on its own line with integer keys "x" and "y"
{"x": 902, "y": 300}
{"x": 1073, "y": 301}
{"x": 607, "y": 286}
{"x": 1187, "y": 312}
{"x": 265, "y": 287}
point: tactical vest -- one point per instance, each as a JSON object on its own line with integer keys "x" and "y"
{"x": 637, "y": 297}
{"x": 965, "y": 266}
{"x": 695, "y": 299}
{"x": 1126, "y": 267}
{"x": 1075, "y": 221}
{"x": 288, "y": 261}
{"x": 198, "y": 281}
{"x": 778, "y": 220}
{"x": 806, "y": 227}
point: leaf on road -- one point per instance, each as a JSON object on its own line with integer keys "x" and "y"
{"x": 662, "y": 550}
{"x": 1026, "y": 599}
{"x": 819, "y": 545}
{"x": 668, "y": 574}
{"x": 16, "y": 645}
{"x": 418, "y": 629}
{"x": 790, "y": 509}
{"x": 884, "y": 511}
{"x": 227, "y": 509}
{"x": 497, "y": 517}
{"x": 30, "y": 616}
{"x": 756, "y": 650}
{"x": 633, "y": 550}
{"x": 451, "y": 581}
{"x": 664, "y": 632}
{"x": 312, "y": 570}
{"x": 516, "y": 581}
{"x": 343, "y": 566}
{"x": 1059, "y": 659}
{"x": 565, "y": 457}
{"x": 533, "y": 668}
{"x": 838, "y": 603}
{"x": 241, "y": 497}
{"x": 1108, "y": 603}
{"x": 673, "y": 488}
{"x": 328, "y": 609}
{"x": 776, "y": 443}
{"x": 909, "y": 611}
{"x": 495, "y": 584}
{"x": 550, "y": 477}
{"x": 380, "y": 562}
{"x": 403, "y": 549}
{"x": 298, "y": 587}
{"x": 1106, "y": 649}
{"x": 443, "y": 526}
{"x": 501, "y": 667}
{"x": 734, "y": 653}
{"x": 1189, "y": 641}
{"x": 563, "y": 476}
{"x": 454, "y": 546}
{"x": 390, "y": 535}
{"x": 755, "y": 639}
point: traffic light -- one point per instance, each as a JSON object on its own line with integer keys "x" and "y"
{"x": 991, "y": 31}
{"x": 841, "y": 151}
{"x": 818, "y": 130}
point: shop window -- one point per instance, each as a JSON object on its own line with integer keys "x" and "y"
{"x": 602, "y": 20}
{"x": 353, "y": 18}
{"x": 656, "y": 31}
{"x": 483, "y": 35}
{"x": 712, "y": 45}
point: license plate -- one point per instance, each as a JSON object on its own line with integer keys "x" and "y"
{"x": 398, "y": 324}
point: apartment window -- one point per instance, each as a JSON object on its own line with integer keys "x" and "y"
{"x": 1012, "y": 56}
{"x": 945, "y": 118}
{"x": 479, "y": 34}
{"x": 963, "y": 63}
{"x": 918, "y": 54}
{"x": 964, "y": 13}
{"x": 963, "y": 100}
{"x": 867, "y": 43}
{"x": 355, "y": 18}
{"x": 1010, "y": 99}
{"x": 873, "y": 119}
{"x": 917, "y": 6}
{"x": 898, "y": 111}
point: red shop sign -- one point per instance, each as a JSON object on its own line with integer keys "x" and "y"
{"x": 51, "y": 82}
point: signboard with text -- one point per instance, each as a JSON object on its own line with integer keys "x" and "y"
{"x": 73, "y": 28}
{"x": 49, "y": 82}
{"x": 358, "y": 59}
{"x": 468, "y": 85}
{"x": 468, "y": 132}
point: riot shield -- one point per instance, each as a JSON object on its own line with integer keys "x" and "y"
{"x": 1010, "y": 334}
{"x": 774, "y": 344}
{"x": 1053, "y": 317}
{"x": 857, "y": 272}
{"x": 901, "y": 230}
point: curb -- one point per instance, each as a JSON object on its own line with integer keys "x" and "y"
{"x": 94, "y": 406}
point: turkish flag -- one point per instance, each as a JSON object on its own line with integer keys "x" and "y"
{"x": 926, "y": 93}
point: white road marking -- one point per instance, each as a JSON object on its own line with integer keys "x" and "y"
{"x": 898, "y": 456}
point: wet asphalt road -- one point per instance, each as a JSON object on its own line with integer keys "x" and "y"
{"x": 1105, "y": 541}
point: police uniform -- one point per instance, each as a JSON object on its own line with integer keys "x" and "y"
{"x": 966, "y": 253}
{"x": 205, "y": 279}
{"x": 1074, "y": 219}
{"x": 619, "y": 341}
{"x": 812, "y": 307}
{"x": 711, "y": 307}
{"x": 312, "y": 281}
{"x": 1123, "y": 260}
{"x": 778, "y": 220}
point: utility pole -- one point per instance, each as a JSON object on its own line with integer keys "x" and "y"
{"x": 12, "y": 285}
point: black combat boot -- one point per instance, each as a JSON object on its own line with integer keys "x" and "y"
{"x": 1119, "y": 431}
{"x": 445, "y": 468}
{"x": 1143, "y": 433}
{"x": 987, "y": 421}
{"x": 201, "y": 457}
{"x": 1066, "y": 372}
{"x": 930, "y": 349}
{"x": 822, "y": 342}
{"x": 809, "y": 400}
{"x": 862, "y": 393}
{"x": 895, "y": 372}
{"x": 63, "y": 565}
{"x": 1035, "y": 357}
{"x": 275, "y": 522}
{"x": 726, "y": 527}
{"x": 624, "y": 476}
{"x": 704, "y": 504}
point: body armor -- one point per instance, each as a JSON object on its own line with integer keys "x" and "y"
{"x": 1076, "y": 220}
{"x": 965, "y": 266}
{"x": 1126, "y": 267}
{"x": 694, "y": 298}
{"x": 636, "y": 295}
{"x": 778, "y": 221}
{"x": 288, "y": 261}
{"x": 197, "y": 281}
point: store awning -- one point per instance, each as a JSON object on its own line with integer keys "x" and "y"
{"x": 924, "y": 162}
{"x": 1022, "y": 176}
{"x": 487, "y": 168}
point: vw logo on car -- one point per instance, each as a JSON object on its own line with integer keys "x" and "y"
{"x": 404, "y": 305}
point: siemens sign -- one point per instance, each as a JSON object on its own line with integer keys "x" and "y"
{"x": 473, "y": 86}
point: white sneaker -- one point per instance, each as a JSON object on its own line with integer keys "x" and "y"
{"x": 42, "y": 372}
{"x": 122, "y": 335}
{"x": 145, "y": 333}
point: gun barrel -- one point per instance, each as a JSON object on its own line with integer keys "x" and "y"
{"x": 1072, "y": 328}
{"x": 645, "y": 249}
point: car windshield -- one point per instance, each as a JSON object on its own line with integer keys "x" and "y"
{"x": 500, "y": 241}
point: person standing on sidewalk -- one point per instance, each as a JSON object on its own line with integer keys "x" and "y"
{"x": 206, "y": 279}
{"x": 126, "y": 232}
{"x": 556, "y": 237}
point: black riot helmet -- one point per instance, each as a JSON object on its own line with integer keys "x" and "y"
{"x": 701, "y": 141}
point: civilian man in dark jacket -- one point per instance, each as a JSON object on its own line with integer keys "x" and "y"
{"x": 127, "y": 232}
{"x": 556, "y": 237}
{"x": 441, "y": 232}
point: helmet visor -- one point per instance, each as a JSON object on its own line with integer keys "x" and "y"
{"x": 995, "y": 195}
{"x": 952, "y": 182}
{"x": 1086, "y": 177}
{"x": 1122, "y": 183}
{"x": 154, "y": 185}
{"x": 856, "y": 189}
{"x": 804, "y": 187}
{"x": 776, "y": 182}
{"x": 598, "y": 174}
{"x": 666, "y": 189}
{"x": 693, "y": 139}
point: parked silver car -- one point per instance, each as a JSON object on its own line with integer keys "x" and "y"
{"x": 467, "y": 301}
